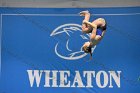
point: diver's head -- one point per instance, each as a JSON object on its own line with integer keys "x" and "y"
{"x": 86, "y": 47}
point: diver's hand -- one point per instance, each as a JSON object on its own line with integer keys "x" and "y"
{"x": 86, "y": 46}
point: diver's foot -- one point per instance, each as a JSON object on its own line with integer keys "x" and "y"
{"x": 83, "y": 13}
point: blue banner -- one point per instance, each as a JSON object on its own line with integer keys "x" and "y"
{"x": 41, "y": 51}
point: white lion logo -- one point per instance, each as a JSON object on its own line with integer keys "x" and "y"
{"x": 71, "y": 45}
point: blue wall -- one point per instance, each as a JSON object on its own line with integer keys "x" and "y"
{"x": 27, "y": 44}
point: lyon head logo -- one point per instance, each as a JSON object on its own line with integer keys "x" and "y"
{"x": 70, "y": 41}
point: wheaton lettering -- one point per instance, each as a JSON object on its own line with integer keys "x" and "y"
{"x": 54, "y": 78}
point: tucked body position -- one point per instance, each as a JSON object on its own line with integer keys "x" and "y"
{"x": 97, "y": 29}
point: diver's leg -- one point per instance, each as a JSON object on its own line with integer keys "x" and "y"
{"x": 86, "y": 15}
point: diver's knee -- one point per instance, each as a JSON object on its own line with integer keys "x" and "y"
{"x": 85, "y": 30}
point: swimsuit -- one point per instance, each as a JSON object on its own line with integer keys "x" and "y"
{"x": 100, "y": 29}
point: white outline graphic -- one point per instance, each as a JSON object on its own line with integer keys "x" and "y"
{"x": 71, "y": 55}
{"x": 67, "y": 45}
{"x": 67, "y": 30}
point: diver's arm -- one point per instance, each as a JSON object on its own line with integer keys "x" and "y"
{"x": 92, "y": 37}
